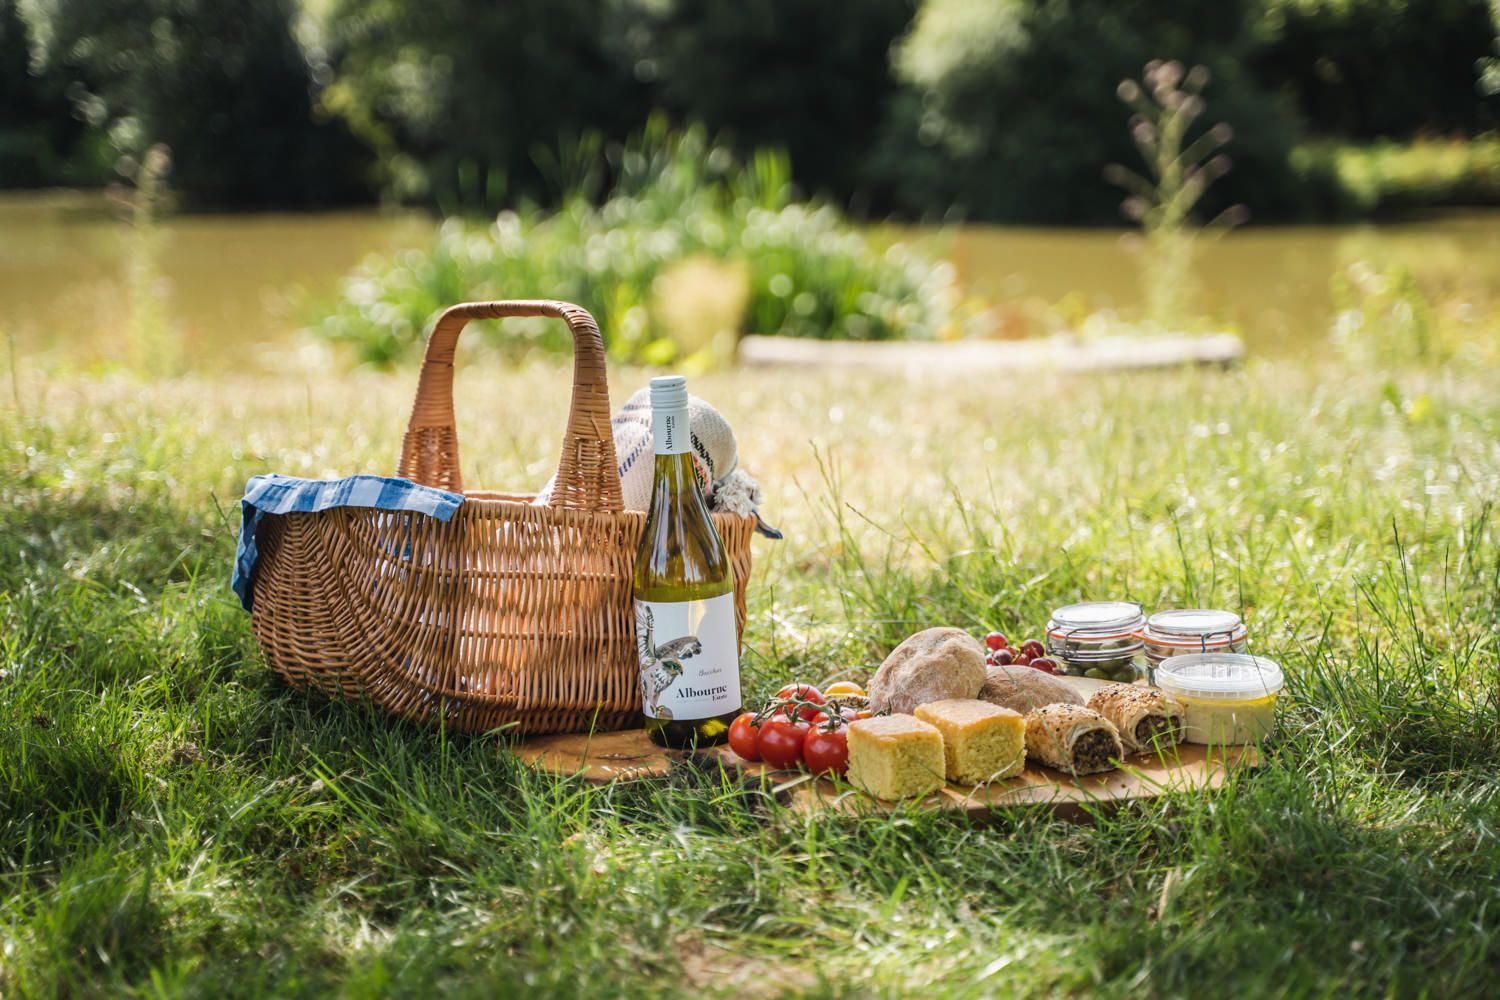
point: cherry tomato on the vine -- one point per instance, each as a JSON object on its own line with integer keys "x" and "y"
{"x": 781, "y": 741}
{"x": 826, "y": 750}
{"x": 744, "y": 736}
{"x": 846, "y": 715}
{"x": 801, "y": 692}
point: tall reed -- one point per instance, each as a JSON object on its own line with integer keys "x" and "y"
{"x": 1180, "y": 167}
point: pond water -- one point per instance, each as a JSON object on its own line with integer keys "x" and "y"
{"x": 236, "y": 287}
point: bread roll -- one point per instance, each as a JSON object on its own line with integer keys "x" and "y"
{"x": 1024, "y": 690}
{"x": 933, "y": 665}
{"x": 1145, "y": 717}
{"x": 1072, "y": 738}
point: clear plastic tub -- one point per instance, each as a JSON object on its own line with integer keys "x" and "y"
{"x": 1097, "y": 639}
{"x": 1228, "y": 698}
{"x": 1191, "y": 630}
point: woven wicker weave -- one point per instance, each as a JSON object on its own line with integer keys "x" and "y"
{"x": 509, "y": 614}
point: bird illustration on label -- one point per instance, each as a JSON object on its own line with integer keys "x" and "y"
{"x": 660, "y": 665}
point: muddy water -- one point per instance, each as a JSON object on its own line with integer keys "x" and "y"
{"x": 235, "y": 288}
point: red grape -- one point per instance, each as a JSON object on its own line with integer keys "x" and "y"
{"x": 1033, "y": 648}
{"x": 996, "y": 640}
{"x": 1004, "y": 657}
{"x": 1045, "y": 664}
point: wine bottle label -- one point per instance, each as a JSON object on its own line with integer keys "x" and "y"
{"x": 669, "y": 432}
{"x": 689, "y": 654}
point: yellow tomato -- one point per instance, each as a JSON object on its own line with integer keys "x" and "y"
{"x": 845, "y": 689}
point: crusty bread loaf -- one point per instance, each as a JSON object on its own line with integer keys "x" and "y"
{"x": 981, "y": 742}
{"x": 1024, "y": 690}
{"x": 934, "y": 664}
{"x": 893, "y": 756}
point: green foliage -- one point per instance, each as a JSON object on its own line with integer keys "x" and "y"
{"x": 995, "y": 109}
{"x": 461, "y": 98}
{"x": 41, "y": 141}
{"x": 465, "y": 100}
{"x": 1017, "y": 100}
{"x": 1385, "y": 177}
{"x": 811, "y": 78}
{"x": 1364, "y": 69}
{"x": 224, "y": 85}
{"x": 678, "y": 199}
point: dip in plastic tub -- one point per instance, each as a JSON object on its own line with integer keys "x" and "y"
{"x": 1229, "y": 698}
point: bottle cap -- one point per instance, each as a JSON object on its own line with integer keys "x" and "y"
{"x": 669, "y": 392}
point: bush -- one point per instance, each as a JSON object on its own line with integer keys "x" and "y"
{"x": 1387, "y": 177}
{"x": 1019, "y": 97}
{"x": 680, "y": 203}
{"x": 1370, "y": 68}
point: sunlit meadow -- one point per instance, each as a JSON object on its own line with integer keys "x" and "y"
{"x": 173, "y": 820}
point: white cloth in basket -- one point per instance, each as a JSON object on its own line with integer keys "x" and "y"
{"x": 716, "y": 458}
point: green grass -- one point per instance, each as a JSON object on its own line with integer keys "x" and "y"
{"x": 173, "y": 821}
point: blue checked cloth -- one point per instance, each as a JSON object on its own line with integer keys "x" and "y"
{"x": 288, "y": 494}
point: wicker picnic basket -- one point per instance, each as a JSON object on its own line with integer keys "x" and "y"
{"x": 512, "y": 613}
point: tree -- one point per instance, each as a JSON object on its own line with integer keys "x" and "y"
{"x": 465, "y": 100}
{"x": 224, "y": 85}
{"x": 41, "y": 140}
{"x": 1014, "y": 113}
{"x": 811, "y": 78}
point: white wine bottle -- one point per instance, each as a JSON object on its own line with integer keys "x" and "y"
{"x": 684, "y": 593}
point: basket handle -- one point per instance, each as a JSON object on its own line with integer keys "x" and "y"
{"x": 588, "y": 476}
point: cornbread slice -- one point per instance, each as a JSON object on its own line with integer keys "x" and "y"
{"x": 981, "y": 742}
{"x": 893, "y": 756}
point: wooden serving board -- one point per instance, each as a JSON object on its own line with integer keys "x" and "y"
{"x": 629, "y": 755}
{"x": 1189, "y": 767}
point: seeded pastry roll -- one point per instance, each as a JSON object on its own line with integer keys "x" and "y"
{"x": 1144, "y": 716}
{"x": 1072, "y": 738}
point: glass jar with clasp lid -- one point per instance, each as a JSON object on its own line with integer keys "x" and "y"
{"x": 1190, "y": 630}
{"x": 1097, "y": 639}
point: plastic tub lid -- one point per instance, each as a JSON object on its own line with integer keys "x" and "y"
{"x": 1194, "y": 622}
{"x": 1219, "y": 676}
